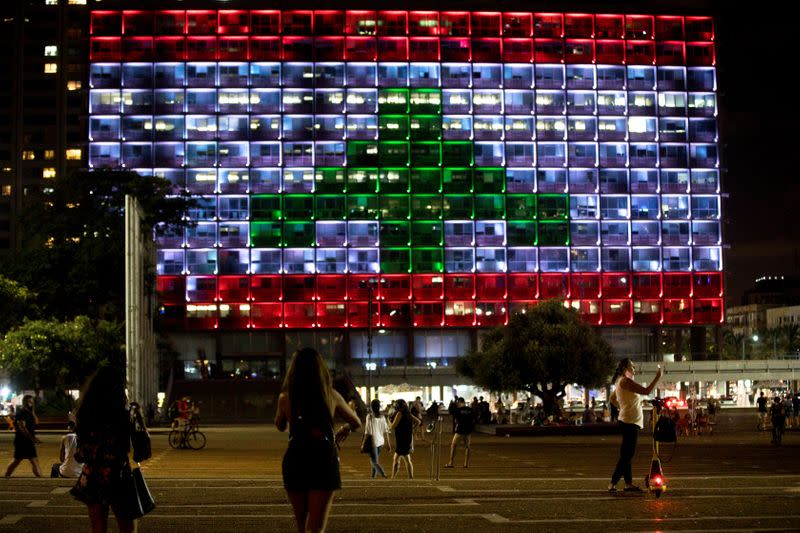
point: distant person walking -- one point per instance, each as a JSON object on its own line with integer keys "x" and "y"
{"x": 25, "y": 440}
{"x": 762, "y": 410}
{"x": 377, "y": 428}
{"x": 403, "y": 425}
{"x": 628, "y": 396}
{"x": 465, "y": 424}
{"x": 307, "y": 406}
{"x": 67, "y": 466}
{"x": 103, "y": 430}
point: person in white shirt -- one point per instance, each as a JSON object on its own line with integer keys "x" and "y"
{"x": 68, "y": 467}
{"x": 376, "y": 427}
{"x": 627, "y": 396}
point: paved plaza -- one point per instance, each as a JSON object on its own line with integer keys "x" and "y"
{"x": 731, "y": 481}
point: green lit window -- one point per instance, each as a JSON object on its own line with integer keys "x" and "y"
{"x": 393, "y": 180}
{"x": 521, "y": 206}
{"x": 395, "y": 260}
{"x": 265, "y": 234}
{"x": 458, "y": 180}
{"x": 330, "y": 207}
{"x": 393, "y": 101}
{"x": 363, "y": 180}
{"x": 553, "y": 234}
{"x": 265, "y": 207}
{"x": 427, "y": 260}
{"x": 457, "y": 154}
{"x": 426, "y": 153}
{"x": 553, "y": 206}
{"x": 329, "y": 180}
{"x": 490, "y": 180}
{"x": 426, "y": 180}
{"x": 362, "y": 206}
{"x": 395, "y": 206}
{"x": 298, "y": 207}
{"x": 490, "y": 206}
{"x": 521, "y": 233}
{"x": 362, "y": 153}
{"x": 426, "y": 127}
{"x": 458, "y": 207}
{"x": 393, "y": 127}
{"x": 426, "y": 233}
{"x": 393, "y": 153}
{"x": 298, "y": 234}
{"x": 426, "y": 207}
{"x": 395, "y": 233}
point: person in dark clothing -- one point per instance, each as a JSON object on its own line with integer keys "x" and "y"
{"x": 465, "y": 424}
{"x": 25, "y": 440}
{"x": 403, "y": 425}
{"x": 452, "y": 408}
{"x": 762, "y": 402}
{"x": 777, "y": 414}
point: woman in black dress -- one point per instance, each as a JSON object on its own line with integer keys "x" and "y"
{"x": 403, "y": 425}
{"x": 102, "y": 425}
{"x": 307, "y": 406}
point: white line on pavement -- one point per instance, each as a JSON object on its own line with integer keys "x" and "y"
{"x": 38, "y": 503}
{"x": 10, "y": 519}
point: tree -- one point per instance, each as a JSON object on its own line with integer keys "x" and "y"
{"x": 74, "y": 245}
{"x": 47, "y": 354}
{"x": 16, "y": 304}
{"x": 541, "y": 352}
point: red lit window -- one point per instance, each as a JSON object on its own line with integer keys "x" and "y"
{"x": 579, "y": 51}
{"x": 428, "y": 286}
{"x": 553, "y": 286}
{"x": 518, "y": 50}
{"x": 298, "y": 48}
{"x": 489, "y": 314}
{"x": 233, "y": 48}
{"x": 486, "y": 24}
{"x": 395, "y": 314}
{"x": 708, "y": 311}
{"x": 266, "y": 315}
{"x": 639, "y": 52}
{"x": 677, "y": 285}
{"x": 201, "y": 316}
{"x": 357, "y": 313}
{"x": 392, "y": 23}
{"x": 106, "y": 23}
{"x": 609, "y": 27}
{"x": 459, "y": 286}
{"x": 170, "y": 22}
{"x": 201, "y": 48}
{"x": 265, "y": 22}
{"x": 170, "y": 48}
{"x": 699, "y": 29}
{"x": 396, "y": 287}
{"x": 172, "y": 289}
{"x": 549, "y": 51}
{"x": 328, "y": 22}
{"x": 266, "y": 288}
{"x": 708, "y": 285}
{"x": 390, "y": 48}
{"x": 423, "y": 49}
{"x": 234, "y": 316}
{"x": 360, "y": 23}
{"x": 670, "y": 53}
{"x": 201, "y": 289}
{"x": 333, "y": 288}
{"x": 669, "y": 28}
{"x": 297, "y": 23}
{"x": 456, "y": 49}
{"x": 105, "y": 48}
{"x": 677, "y": 311}
{"x": 579, "y": 26}
{"x": 522, "y": 286}
{"x": 360, "y": 49}
{"x": 486, "y": 49}
{"x": 428, "y": 314}
{"x": 459, "y": 313}
{"x": 298, "y": 288}
{"x": 201, "y": 22}
{"x": 358, "y": 287}
{"x": 423, "y": 23}
{"x": 647, "y": 285}
{"x": 517, "y": 24}
{"x": 137, "y": 22}
{"x": 585, "y": 286}
{"x": 265, "y": 48}
{"x": 454, "y": 23}
{"x": 590, "y": 310}
{"x": 299, "y": 315}
{"x": 490, "y": 286}
{"x": 639, "y": 27}
{"x": 331, "y": 314}
{"x": 234, "y": 22}
{"x": 234, "y": 288}
{"x": 647, "y": 311}
{"x": 700, "y": 54}
{"x": 617, "y": 312}
{"x": 548, "y": 25}
{"x": 611, "y": 52}
{"x": 616, "y": 285}
{"x": 329, "y": 48}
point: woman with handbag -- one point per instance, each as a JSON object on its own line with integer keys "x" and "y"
{"x": 627, "y": 395}
{"x": 375, "y": 428}
{"x": 403, "y": 425}
{"x": 307, "y": 406}
{"x": 103, "y": 428}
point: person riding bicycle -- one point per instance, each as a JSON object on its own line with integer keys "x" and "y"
{"x": 777, "y": 413}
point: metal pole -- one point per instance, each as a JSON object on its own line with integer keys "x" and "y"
{"x": 369, "y": 342}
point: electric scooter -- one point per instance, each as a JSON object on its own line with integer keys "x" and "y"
{"x": 655, "y": 481}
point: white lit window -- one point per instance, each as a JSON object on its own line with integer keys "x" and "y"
{"x": 51, "y": 51}
{"x": 51, "y": 2}
{"x": 73, "y": 154}
{"x": 28, "y": 155}
{"x": 77, "y": 2}
{"x": 73, "y": 85}
{"x": 49, "y": 155}
{"x": 50, "y": 68}
{"x": 48, "y": 172}
{"x": 6, "y": 190}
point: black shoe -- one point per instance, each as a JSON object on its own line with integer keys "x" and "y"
{"x": 632, "y": 488}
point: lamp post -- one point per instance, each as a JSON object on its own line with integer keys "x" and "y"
{"x": 369, "y": 342}
{"x": 744, "y": 339}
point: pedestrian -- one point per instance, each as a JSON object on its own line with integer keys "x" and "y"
{"x": 418, "y": 409}
{"x": 451, "y": 409}
{"x": 789, "y": 407}
{"x": 403, "y": 425}
{"x": 433, "y": 412}
{"x": 67, "y": 466}
{"x": 796, "y": 408}
{"x": 25, "y": 440}
{"x": 307, "y": 405}
{"x": 103, "y": 431}
{"x": 777, "y": 414}
{"x": 465, "y": 424}
{"x": 762, "y": 410}
{"x": 377, "y": 428}
{"x": 627, "y": 395}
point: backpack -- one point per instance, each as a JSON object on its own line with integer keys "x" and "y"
{"x": 665, "y": 430}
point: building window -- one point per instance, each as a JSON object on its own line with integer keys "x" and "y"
{"x": 76, "y": 2}
{"x": 48, "y": 172}
{"x": 73, "y": 85}
{"x": 28, "y": 155}
{"x": 74, "y": 154}
{"x": 50, "y": 51}
{"x": 50, "y": 68}
{"x": 49, "y": 155}
{"x": 6, "y": 190}
{"x": 51, "y": 2}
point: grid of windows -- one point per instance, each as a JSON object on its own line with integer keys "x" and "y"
{"x": 456, "y": 167}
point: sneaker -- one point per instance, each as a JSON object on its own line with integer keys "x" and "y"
{"x": 632, "y": 488}
{"x": 448, "y": 466}
{"x": 612, "y": 488}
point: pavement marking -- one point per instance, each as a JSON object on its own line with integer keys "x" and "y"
{"x": 495, "y": 518}
{"x": 659, "y": 519}
{"x": 465, "y": 501}
{"x": 10, "y": 519}
{"x": 60, "y": 490}
{"x": 38, "y": 503}
{"x": 445, "y": 488}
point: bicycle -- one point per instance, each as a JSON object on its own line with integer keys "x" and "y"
{"x": 188, "y": 437}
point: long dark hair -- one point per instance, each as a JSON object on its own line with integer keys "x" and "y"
{"x": 401, "y": 407}
{"x": 621, "y": 368}
{"x": 308, "y": 385}
{"x": 102, "y": 401}
{"x": 375, "y": 405}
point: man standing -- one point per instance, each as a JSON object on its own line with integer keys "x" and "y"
{"x": 465, "y": 423}
{"x": 25, "y": 440}
{"x": 762, "y": 410}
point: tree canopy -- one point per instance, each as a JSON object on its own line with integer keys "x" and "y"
{"x": 17, "y": 303}
{"x": 540, "y": 351}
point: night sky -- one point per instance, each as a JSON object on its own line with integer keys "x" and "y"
{"x": 755, "y": 58}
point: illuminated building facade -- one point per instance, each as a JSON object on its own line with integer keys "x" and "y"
{"x": 452, "y": 167}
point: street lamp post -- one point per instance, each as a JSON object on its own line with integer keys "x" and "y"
{"x": 744, "y": 339}
{"x": 369, "y": 343}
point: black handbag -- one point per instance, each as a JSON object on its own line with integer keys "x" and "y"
{"x": 140, "y": 438}
{"x": 134, "y": 499}
{"x": 665, "y": 430}
{"x": 366, "y": 446}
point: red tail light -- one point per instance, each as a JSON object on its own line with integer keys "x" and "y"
{"x": 658, "y": 480}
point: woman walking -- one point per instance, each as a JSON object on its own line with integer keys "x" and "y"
{"x": 627, "y": 396}
{"x": 103, "y": 429}
{"x": 307, "y": 406}
{"x": 376, "y": 427}
{"x": 403, "y": 425}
